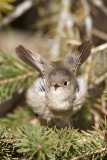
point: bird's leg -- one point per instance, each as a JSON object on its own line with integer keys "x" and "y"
{"x": 48, "y": 120}
{"x": 69, "y": 122}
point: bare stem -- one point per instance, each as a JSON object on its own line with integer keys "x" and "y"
{"x": 99, "y": 48}
{"x": 20, "y": 9}
{"x": 24, "y": 76}
{"x": 99, "y": 34}
{"x": 100, "y": 79}
{"x": 98, "y": 151}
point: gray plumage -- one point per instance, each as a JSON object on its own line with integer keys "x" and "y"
{"x": 58, "y": 93}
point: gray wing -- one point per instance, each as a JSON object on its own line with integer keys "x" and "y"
{"x": 79, "y": 55}
{"x": 34, "y": 60}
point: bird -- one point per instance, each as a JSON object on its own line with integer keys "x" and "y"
{"x": 59, "y": 92}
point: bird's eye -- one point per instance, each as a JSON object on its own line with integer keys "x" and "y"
{"x": 65, "y": 83}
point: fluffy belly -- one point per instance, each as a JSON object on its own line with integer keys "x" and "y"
{"x": 58, "y": 102}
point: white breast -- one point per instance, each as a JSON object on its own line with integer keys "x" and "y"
{"x": 57, "y": 99}
{"x": 81, "y": 95}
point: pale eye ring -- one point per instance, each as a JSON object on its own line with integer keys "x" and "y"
{"x": 65, "y": 83}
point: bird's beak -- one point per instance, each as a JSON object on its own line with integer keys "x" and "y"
{"x": 56, "y": 86}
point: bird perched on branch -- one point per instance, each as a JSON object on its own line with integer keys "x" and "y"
{"x": 58, "y": 93}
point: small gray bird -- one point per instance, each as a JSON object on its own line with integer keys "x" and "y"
{"x": 58, "y": 93}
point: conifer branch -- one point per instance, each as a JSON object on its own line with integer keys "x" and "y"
{"x": 24, "y": 76}
{"x": 15, "y": 76}
{"x": 45, "y": 143}
{"x": 98, "y": 151}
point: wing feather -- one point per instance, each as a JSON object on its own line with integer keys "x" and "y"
{"x": 33, "y": 60}
{"x": 84, "y": 50}
{"x": 80, "y": 54}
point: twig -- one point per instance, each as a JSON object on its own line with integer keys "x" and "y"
{"x": 99, "y": 34}
{"x": 65, "y": 20}
{"x": 101, "y": 5}
{"x": 20, "y": 9}
{"x": 88, "y": 67}
{"x": 100, "y": 79}
{"x": 103, "y": 101}
{"x": 88, "y": 19}
{"x": 94, "y": 50}
{"x": 96, "y": 117}
{"x": 24, "y": 76}
{"x": 98, "y": 151}
{"x": 99, "y": 48}
{"x": 73, "y": 42}
{"x": 105, "y": 132}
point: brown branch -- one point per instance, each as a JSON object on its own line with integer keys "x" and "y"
{"x": 73, "y": 42}
{"x": 99, "y": 34}
{"x": 65, "y": 20}
{"x": 99, "y": 48}
{"x": 24, "y": 76}
{"x": 88, "y": 67}
{"x": 97, "y": 82}
{"x": 101, "y": 5}
{"x": 96, "y": 118}
{"x": 98, "y": 151}
{"x": 104, "y": 106}
{"x": 100, "y": 79}
{"x": 105, "y": 135}
{"x": 87, "y": 19}
{"x": 20, "y": 9}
